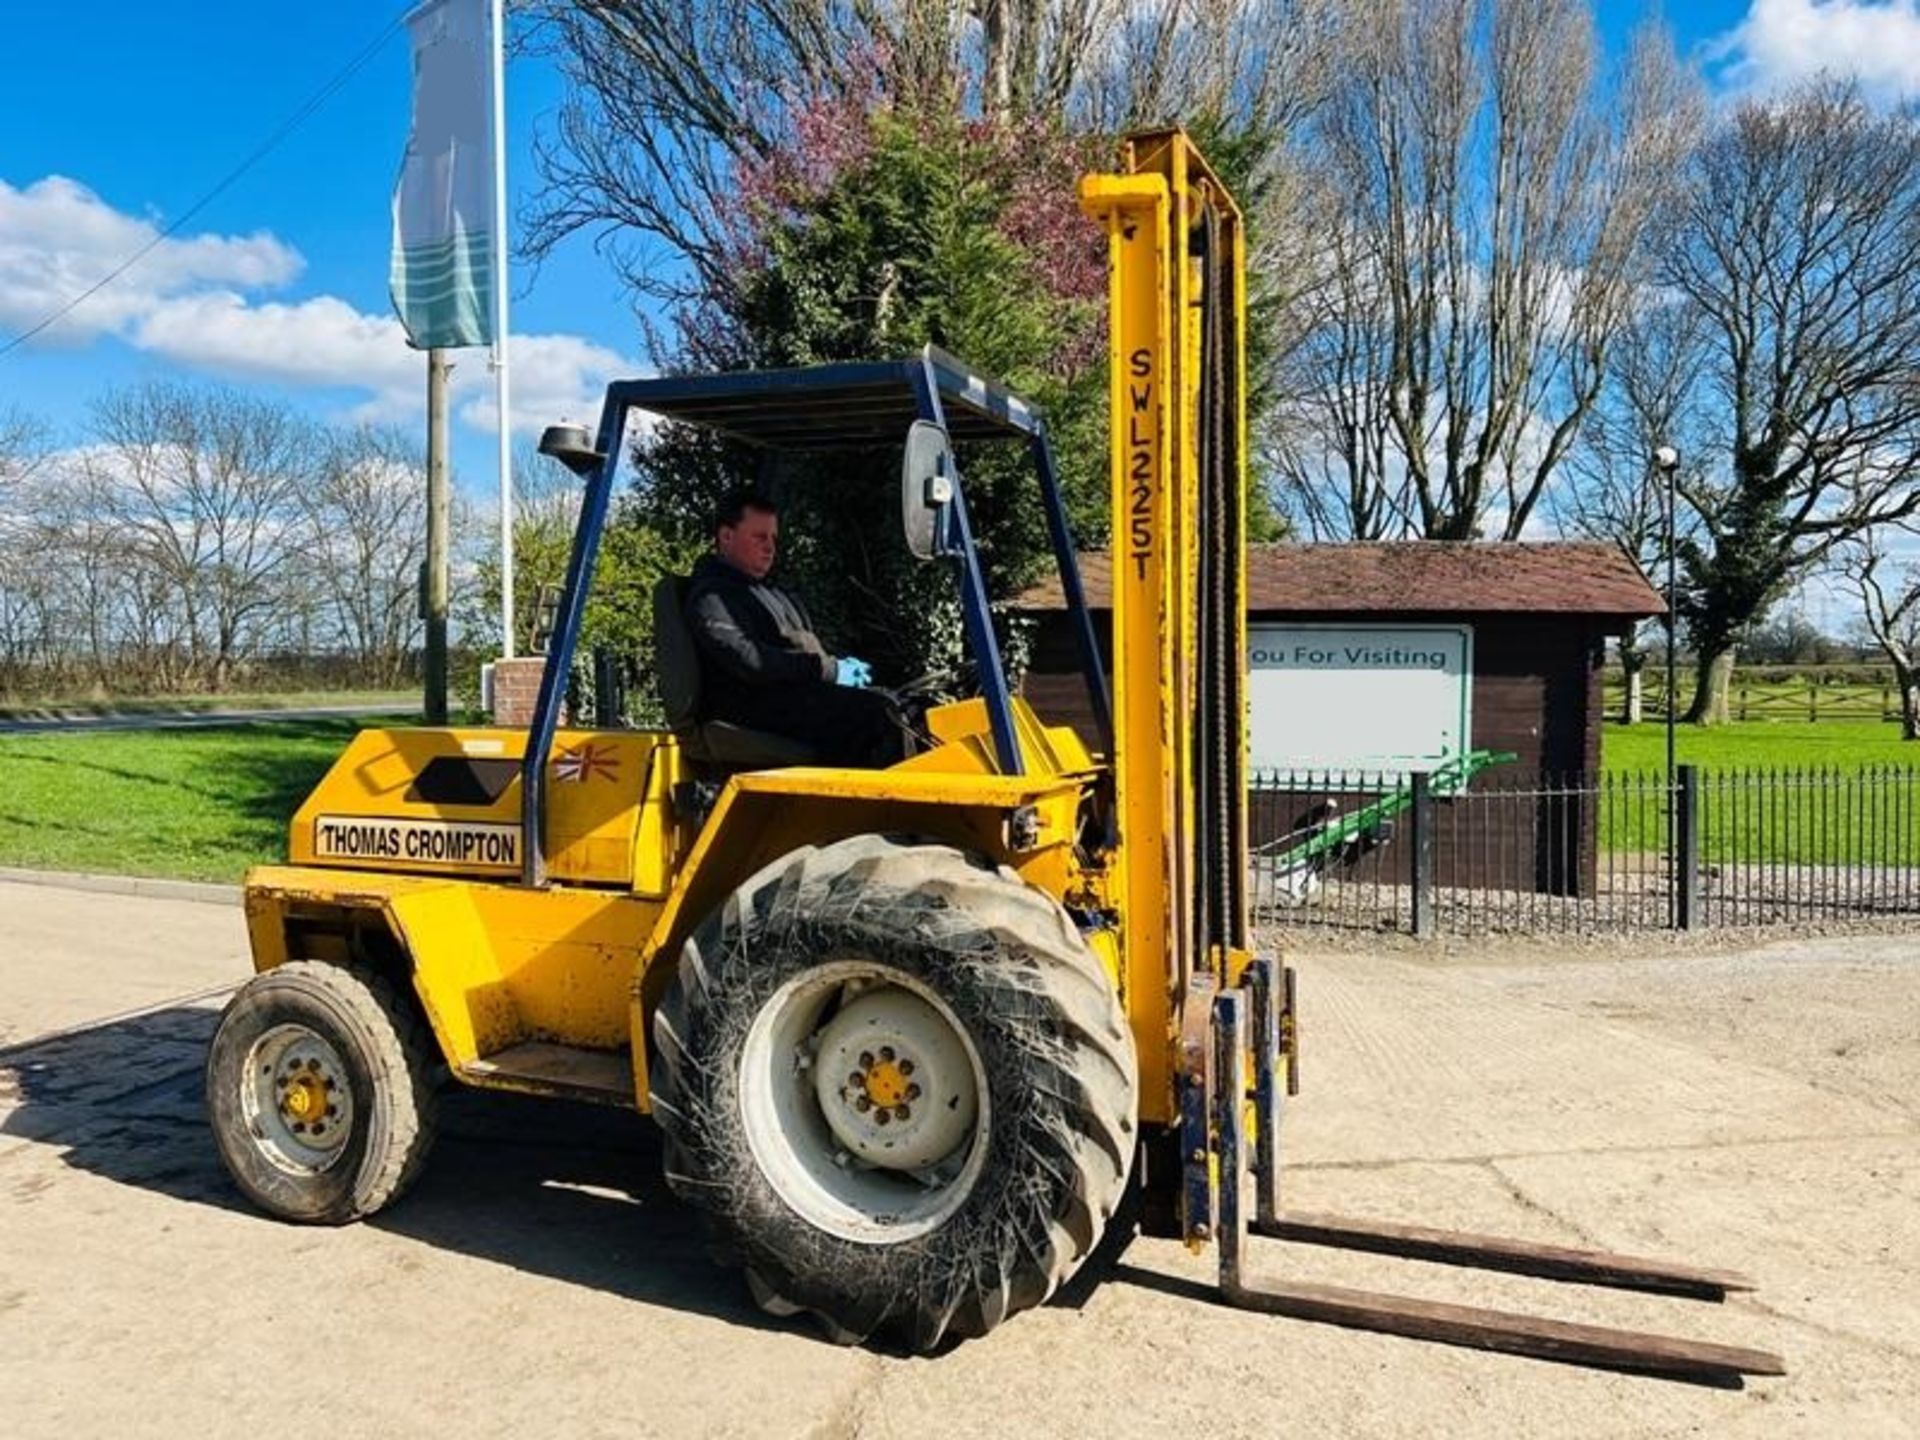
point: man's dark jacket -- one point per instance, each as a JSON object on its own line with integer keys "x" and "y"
{"x": 753, "y": 637}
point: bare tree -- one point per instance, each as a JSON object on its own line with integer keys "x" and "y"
{"x": 668, "y": 101}
{"x": 366, "y": 538}
{"x": 1497, "y": 195}
{"x": 1035, "y": 56}
{"x": 23, "y": 450}
{"x": 201, "y": 532}
{"x": 1890, "y": 607}
{"x": 207, "y": 487}
{"x": 24, "y": 575}
{"x": 1330, "y": 446}
{"x": 1800, "y": 247}
{"x": 23, "y": 445}
{"x": 95, "y": 575}
{"x": 1655, "y": 394}
{"x": 1262, "y": 65}
{"x": 25, "y": 631}
{"x": 1244, "y": 77}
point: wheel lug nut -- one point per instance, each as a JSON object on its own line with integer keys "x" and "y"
{"x": 333, "y": 1110}
{"x": 327, "y": 1084}
{"x": 299, "y": 1127}
{"x": 913, "y": 1092}
{"x": 886, "y": 1052}
{"x": 855, "y": 1077}
{"x": 906, "y": 1067}
{"x": 866, "y": 1059}
{"x": 863, "y": 1104}
{"x": 901, "y": 1112}
{"x": 882, "y": 1117}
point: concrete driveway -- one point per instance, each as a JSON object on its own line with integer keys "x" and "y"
{"x": 1756, "y": 1109}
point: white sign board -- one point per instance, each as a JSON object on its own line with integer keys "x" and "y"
{"x": 1393, "y": 698}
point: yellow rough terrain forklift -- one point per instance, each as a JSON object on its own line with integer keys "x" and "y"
{"x": 909, "y": 1034}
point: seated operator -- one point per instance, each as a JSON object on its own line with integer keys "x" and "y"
{"x": 762, "y": 666}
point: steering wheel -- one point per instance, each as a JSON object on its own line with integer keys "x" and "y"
{"x": 912, "y": 700}
{"x": 934, "y": 687}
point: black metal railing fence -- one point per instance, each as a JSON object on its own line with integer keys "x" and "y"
{"x": 1585, "y": 854}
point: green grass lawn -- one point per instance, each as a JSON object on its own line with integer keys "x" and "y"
{"x": 1834, "y": 744}
{"x": 1834, "y": 793}
{"x": 197, "y": 804}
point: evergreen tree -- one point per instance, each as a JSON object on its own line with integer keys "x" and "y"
{"x": 907, "y": 230}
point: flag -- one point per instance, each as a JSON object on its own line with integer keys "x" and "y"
{"x": 442, "y": 275}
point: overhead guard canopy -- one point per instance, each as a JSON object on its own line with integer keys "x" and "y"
{"x": 853, "y": 406}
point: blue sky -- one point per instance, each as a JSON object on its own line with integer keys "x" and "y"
{"x": 118, "y": 116}
{"x": 279, "y": 285}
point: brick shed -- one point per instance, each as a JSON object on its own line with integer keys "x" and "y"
{"x": 1478, "y": 646}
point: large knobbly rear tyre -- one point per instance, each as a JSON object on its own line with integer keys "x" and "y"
{"x": 320, "y": 1092}
{"x": 900, "y": 1085}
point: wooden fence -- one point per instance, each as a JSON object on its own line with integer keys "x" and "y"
{"x": 1768, "y": 695}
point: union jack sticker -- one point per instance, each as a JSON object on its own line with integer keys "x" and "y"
{"x": 586, "y": 762}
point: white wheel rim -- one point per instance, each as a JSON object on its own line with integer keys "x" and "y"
{"x": 296, "y": 1100}
{"x": 835, "y": 1163}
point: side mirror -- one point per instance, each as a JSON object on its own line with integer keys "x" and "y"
{"x": 926, "y": 488}
{"x": 572, "y": 447}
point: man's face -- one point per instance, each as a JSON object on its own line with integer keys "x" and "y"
{"x": 750, "y": 545}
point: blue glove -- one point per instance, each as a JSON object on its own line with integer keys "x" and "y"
{"x": 851, "y": 672}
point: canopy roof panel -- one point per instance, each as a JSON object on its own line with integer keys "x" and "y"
{"x": 850, "y": 406}
{"x": 1407, "y": 577}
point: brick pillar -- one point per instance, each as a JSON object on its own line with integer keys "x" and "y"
{"x": 516, "y": 690}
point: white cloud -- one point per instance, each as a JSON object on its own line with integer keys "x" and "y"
{"x": 554, "y": 378}
{"x": 1782, "y": 42}
{"x": 57, "y": 238}
{"x": 196, "y": 300}
{"x": 323, "y": 341}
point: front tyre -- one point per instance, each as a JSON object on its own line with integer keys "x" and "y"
{"x": 901, "y": 1087}
{"x": 319, "y": 1092}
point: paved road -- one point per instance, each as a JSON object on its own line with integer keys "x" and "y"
{"x": 1756, "y": 1110}
{"x": 190, "y": 719}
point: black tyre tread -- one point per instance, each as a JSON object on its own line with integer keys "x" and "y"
{"x": 1035, "y": 976}
{"x": 415, "y": 1123}
{"x": 401, "y": 1052}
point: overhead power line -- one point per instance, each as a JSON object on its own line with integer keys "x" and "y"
{"x": 286, "y": 127}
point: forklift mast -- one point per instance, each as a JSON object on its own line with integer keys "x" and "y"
{"x": 1200, "y": 1002}
{"x": 1176, "y": 261}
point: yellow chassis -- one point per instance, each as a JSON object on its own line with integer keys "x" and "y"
{"x": 582, "y": 962}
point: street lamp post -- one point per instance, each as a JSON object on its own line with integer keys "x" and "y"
{"x": 1667, "y": 460}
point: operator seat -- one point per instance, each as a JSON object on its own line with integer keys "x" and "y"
{"x": 712, "y": 744}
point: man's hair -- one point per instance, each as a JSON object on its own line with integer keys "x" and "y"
{"x": 734, "y": 505}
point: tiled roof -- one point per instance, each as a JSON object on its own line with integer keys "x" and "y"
{"x": 1415, "y": 577}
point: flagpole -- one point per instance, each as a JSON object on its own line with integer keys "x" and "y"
{"x": 501, "y": 389}
{"x": 433, "y": 588}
